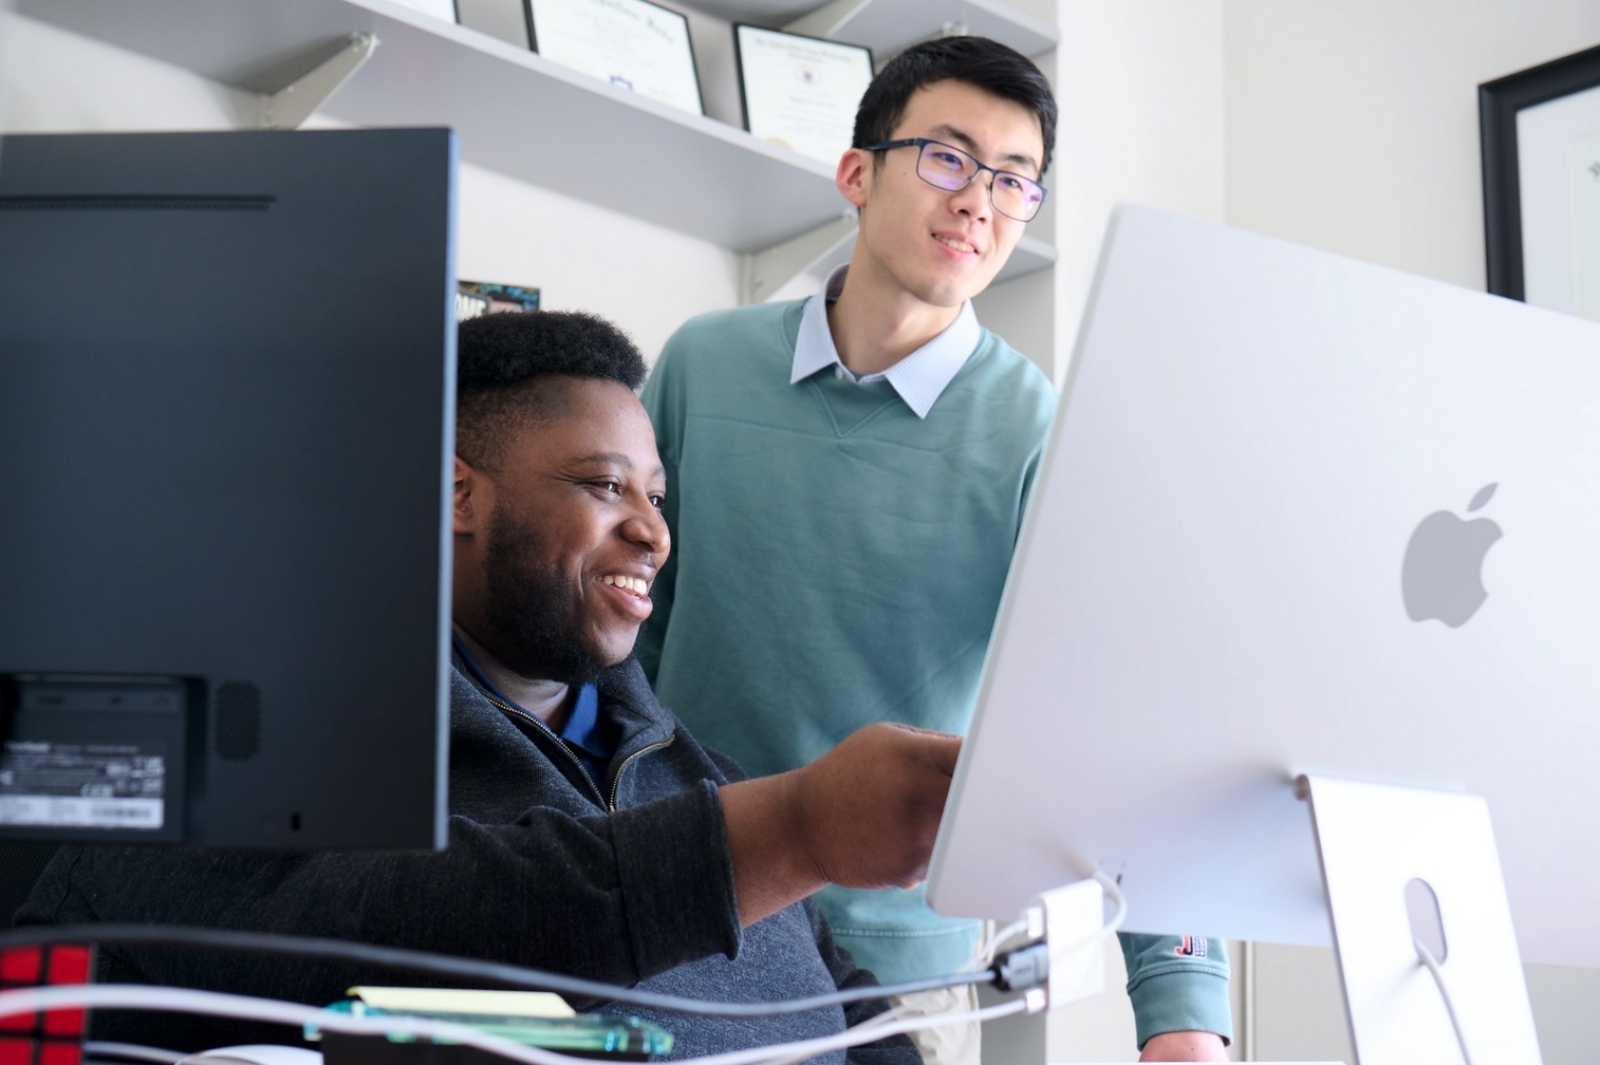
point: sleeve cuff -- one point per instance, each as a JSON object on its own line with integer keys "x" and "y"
{"x": 1182, "y": 1000}
{"x": 677, "y": 877}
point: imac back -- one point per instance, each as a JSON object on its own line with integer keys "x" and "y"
{"x": 1297, "y": 514}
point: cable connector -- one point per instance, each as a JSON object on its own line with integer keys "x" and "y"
{"x": 1025, "y": 967}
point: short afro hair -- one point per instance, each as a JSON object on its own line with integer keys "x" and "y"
{"x": 508, "y": 371}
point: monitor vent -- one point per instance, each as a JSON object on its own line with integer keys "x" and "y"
{"x": 237, "y": 720}
{"x": 136, "y": 203}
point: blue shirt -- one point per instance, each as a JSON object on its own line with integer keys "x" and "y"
{"x": 919, "y": 379}
{"x": 582, "y": 734}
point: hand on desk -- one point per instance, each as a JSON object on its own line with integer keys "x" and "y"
{"x": 863, "y": 815}
{"x": 1184, "y": 1046}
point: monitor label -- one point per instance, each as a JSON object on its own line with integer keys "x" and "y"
{"x": 82, "y": 785}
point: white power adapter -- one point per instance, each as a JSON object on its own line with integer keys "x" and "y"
{"x": 1075, "y": 930}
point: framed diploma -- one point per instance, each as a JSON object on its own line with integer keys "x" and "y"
{"x": 1541, "y": 183}
{"x": 800, "y": 92}
{"x": 633, "y": 44}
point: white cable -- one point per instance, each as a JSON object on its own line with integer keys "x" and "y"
{"x": 985, "y": 957}
{"x": 877, "y": 1020}
{"x": 126, "y": 996}
{"x": 1449, "y": 1007}
{"x": 856, "y": 1036}
{"x": 1114, "y": 893}
{"x": 981, "y": 959}
{"x": 133, "y": 1051}
{"x": 216, "y": 1004}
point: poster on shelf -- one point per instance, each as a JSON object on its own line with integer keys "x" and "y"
{"x": 439, "y": 9}
{"x": 801, "y": 92}
{"x": 474, "y": 299}
{"x": 632, "y": 44}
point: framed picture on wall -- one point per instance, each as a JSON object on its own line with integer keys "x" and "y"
{"x": 1540, "y": 133}
{"x": 632, "y": 44}
{"x": 800, "y": 92}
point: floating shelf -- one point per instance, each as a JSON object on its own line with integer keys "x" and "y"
{"x": 514, "y": 111}
{"x": 891, "y": 26}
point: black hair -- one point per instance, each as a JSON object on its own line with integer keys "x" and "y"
{"x": 504, "y": 368}
{"x": 987, "y": 64}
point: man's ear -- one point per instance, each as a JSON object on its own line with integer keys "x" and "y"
{"x": 471, "y": 499}
{"x": 854, "y": 176}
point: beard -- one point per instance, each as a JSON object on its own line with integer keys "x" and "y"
{"x": 531, "y": 610}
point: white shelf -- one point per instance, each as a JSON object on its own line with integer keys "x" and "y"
{"x": 891, "y": 26}
{"x": 515, "y": 112}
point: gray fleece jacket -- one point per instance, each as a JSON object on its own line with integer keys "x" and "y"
{"x": 631, "y": 887}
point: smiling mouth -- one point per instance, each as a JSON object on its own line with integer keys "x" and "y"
{"x": 958, "y": 245}
{"x": 634, "y": 586}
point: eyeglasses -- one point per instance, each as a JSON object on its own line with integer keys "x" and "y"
{"x": 952, "y": 169}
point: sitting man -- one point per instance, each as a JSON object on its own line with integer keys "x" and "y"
{"x": 589, "y": 833}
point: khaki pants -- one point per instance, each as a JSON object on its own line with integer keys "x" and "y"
{"x": 947, "y": 1044}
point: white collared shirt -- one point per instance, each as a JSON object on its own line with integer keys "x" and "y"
{"x": 919, "y": 378}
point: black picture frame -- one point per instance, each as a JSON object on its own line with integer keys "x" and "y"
{"x": 530, "y": 19}
{"x": 841, "y": 47}
{"x": 1499, "y": 101}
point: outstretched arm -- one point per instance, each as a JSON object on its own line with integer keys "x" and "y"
{"x": 863, "y": 815}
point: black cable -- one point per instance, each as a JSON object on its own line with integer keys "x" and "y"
{"x": 446, "y": 965}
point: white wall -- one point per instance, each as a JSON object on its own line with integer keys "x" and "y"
{"x": 1354, "y": 126}
{"x": 646, "y": 278}
{"x": 1140, "y": 89}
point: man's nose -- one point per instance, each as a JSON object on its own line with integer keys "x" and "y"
{"x": 975, "y": 199}
{"x": 648, "y": 527}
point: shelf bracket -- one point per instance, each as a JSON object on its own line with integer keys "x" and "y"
{"x": 763, "y": 273}
{"x": 829, "y": 20}
{"x": 293, "y": 104}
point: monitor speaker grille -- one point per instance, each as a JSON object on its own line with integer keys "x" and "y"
{"x": 237, "y": 720}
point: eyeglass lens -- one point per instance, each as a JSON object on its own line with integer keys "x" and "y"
{"x": 950, "y": 168}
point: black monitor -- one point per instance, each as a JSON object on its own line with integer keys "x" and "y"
{"x": 227, "y": 389}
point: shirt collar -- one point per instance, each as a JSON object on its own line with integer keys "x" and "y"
{"x": 582, "y": 728}
{"x": 919, "y": 379}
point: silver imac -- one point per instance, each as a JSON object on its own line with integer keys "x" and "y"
{"x": 1306, "y": 525}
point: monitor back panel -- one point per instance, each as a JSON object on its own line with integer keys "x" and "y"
{"x": 226, "y": 417}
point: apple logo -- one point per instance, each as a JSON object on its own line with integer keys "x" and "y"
{"x": 1442, "y": 576}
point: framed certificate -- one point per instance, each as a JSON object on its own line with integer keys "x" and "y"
{"x": 633, "y": 44}
{"x": 1541, "y": 183}
{"x": 800, "y": 92}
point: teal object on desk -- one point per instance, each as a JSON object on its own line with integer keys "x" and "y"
{"x": 590, "y": 1035}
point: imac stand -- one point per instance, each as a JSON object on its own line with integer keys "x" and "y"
{"x": 1383, "y": 847}
{"x": 1401, "y": 866}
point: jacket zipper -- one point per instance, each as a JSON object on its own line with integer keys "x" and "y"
{"x": 616, "y": 778}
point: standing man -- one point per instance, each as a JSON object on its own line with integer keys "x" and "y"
{"x": 849, "y": 476}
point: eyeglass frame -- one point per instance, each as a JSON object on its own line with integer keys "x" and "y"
{"x": 921, "y": 144}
